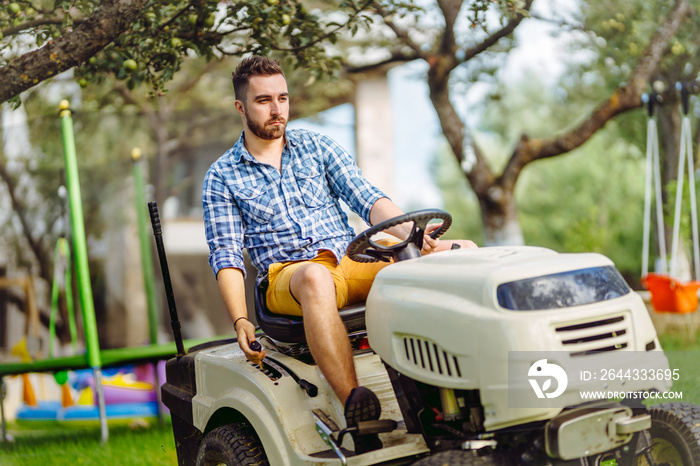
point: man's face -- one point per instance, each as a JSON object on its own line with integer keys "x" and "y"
{"x": 266, "y": 109}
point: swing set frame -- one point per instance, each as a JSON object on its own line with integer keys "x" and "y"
{"x": 668, "y": 293}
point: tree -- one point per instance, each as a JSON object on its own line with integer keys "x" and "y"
{"x": 618, "y": 38}
{"x": 590, "y": 200}
{"x": 30, "y": 179}
{"x": 145, "y": 42}
{"x": 452, "y": 47}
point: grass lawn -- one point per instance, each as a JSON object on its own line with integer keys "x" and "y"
{"x": 67, "y": 445}
{"x": 682, "y": 353}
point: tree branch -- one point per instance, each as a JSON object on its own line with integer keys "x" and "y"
{"x": 625, "y": 98}
{"x": 396, "y": 57}
{"x": 496, "y": 36}
{"x": 401, "y": 34}
{"x": 34, "y": 245}
{"x": 96, "y": 32}
{"x": 191, "y": 83}
{"x": 450, "y": 10}
{"x": 328, "y": 34}
{"x": 36, "y": 23}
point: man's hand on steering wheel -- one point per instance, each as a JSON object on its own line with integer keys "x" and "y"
{"x": 421, "y": 237}
{"x": 430, "y": 244}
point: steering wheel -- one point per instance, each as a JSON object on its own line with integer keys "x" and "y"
{"x": 364, "y": 249}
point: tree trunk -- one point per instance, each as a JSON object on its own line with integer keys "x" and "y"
{"x": 669, "y": 127}
{"x": 499, "y": 216}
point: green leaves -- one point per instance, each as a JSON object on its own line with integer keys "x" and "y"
{"x": 166, "y": 32}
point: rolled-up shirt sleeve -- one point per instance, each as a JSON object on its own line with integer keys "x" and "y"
{"x": 347, "y": 181}
{"x": 223, "y": 224}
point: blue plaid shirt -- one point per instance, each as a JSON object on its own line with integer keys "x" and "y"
{"x": 285, "y": 215}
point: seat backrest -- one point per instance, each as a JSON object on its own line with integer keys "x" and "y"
{"x": 290, "y": 329}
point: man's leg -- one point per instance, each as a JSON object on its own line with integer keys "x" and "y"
{"x": 313, "y": 287}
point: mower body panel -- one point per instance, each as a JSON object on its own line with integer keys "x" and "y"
{"x": 437, "y": 319}
{"x": 229, "y": 388}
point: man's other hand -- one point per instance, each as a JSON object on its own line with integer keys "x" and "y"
{"x": 246, "y": 334}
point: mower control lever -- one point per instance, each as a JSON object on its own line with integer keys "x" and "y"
{"x": 310, "y": 389}
{"x": 255, "y": 346}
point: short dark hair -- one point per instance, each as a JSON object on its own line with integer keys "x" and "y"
{"x": 256, "y": 65}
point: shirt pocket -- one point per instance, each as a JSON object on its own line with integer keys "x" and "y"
{"x": 312, "y": 185}
{"x": 255, "y": 205}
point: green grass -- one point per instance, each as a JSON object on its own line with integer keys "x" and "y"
{"x": 677, "y": 341}
{"x": 71, "y": 446}
{"x": 682, "y": 352}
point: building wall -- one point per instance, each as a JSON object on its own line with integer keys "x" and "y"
{"x": 373, "y": 131}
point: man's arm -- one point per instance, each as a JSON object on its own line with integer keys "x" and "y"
{"x": 224, "y": 232}
{"x": 384, "y": 209}
{"x": 232, "y": 288}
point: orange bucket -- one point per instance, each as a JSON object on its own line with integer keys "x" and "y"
{"x": 670, "y": 295}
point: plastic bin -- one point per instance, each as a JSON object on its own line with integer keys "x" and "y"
{"x": 671, "y": 295}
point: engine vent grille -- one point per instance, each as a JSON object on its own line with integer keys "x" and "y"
{"x": 596, "y": 336}
{"x": 428, "y": 356}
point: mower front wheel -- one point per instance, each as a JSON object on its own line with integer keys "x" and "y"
{"x": 232, "y": 445}
{"x": 675, "y": 434}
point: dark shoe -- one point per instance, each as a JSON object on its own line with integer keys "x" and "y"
{"x": 363, "y": 405}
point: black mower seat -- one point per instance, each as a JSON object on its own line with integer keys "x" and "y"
{"x": 290, "y": 329}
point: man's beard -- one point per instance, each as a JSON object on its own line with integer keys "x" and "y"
{"x": 263, "y": 131}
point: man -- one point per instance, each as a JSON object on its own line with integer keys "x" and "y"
{"x": 276, "y": 193}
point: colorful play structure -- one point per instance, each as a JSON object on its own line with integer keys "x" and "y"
{"x": 669, "y": 293}
{"x": 87, "y": 392}
{"x": 130, "y": 394}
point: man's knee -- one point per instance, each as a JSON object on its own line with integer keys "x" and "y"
{"x": 311, "y": 279}
{"x": 313, "y": 274}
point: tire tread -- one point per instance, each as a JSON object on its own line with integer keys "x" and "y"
{"x": 233, "y": 444}
{"x": 683, "y": 420}
{"x": 465, "y": 458}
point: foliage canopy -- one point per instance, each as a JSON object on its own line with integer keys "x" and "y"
{"x": 143, "y": 41}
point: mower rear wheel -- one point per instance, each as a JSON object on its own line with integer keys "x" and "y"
{"x": 675, "y": 433}
{"x": 464, "y": 458}
{"x": 231, "y": 445}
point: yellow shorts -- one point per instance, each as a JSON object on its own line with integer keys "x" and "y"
{"x": 352, "y": 281}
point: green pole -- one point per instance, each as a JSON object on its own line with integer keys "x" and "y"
{"x": 79, "y": 241}
{"x": 55, "y": 291}
{"x": 61, "y": 258}
{"x": 145, "y": 245}
{"x": 69, "y": 296}
{"x": 81, "y": 259}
